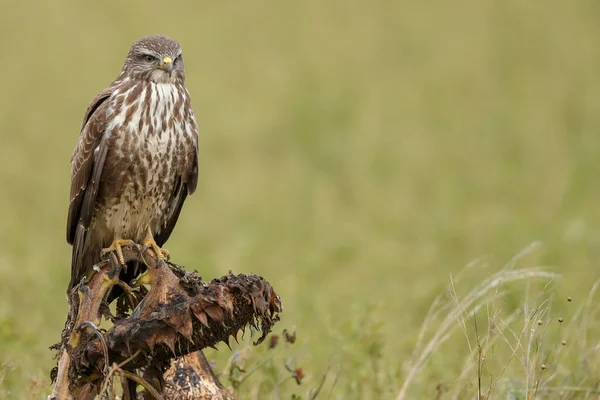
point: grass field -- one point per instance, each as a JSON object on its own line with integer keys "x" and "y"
{"x": 355, "y": 154}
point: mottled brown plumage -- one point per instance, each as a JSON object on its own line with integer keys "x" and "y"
{"x": 136, "y": 159}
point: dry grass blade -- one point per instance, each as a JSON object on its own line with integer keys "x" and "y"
{"x": 474, "y": 300}
{"x": 3, "y": 370}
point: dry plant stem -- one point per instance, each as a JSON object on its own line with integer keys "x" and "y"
{"x": 113, "y": 369}
{"x": 85, "y": 301}
{"x": 138, "y": 379}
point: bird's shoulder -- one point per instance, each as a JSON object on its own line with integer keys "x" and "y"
{"x": 94, "y": 123}
{"x": 92, "y": 129}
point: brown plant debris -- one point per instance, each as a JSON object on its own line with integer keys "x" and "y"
{"x": 178, "y": 316}
{"x": 190, "y": 377}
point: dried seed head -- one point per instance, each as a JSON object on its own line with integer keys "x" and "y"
{"x": 564, "y": 342}
{"x": 569, "y": 298}
{"x": 290, "y": 337}
{"x": 273, "y": 342}
{"x": 298, "y": 374}
{"x": 543, "y": 367}
{"x": 560, "y": 319}
{"x": 540, "y": 322}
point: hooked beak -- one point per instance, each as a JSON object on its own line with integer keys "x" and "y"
{"x": 167, "y": 64}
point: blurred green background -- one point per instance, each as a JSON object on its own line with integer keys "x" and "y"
{"x": 353, "y": 153}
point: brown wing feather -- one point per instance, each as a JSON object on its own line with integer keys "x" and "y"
{"x": 87, "y": 164}
{"x": 192, "y": 176}
{"x": 186, "y": 184}
{"x": 84, "y": 159}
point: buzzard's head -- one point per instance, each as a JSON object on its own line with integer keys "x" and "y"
{"x": 155, "y": 58}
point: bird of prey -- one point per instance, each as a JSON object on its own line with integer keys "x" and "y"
{"x": 136, "y": 159}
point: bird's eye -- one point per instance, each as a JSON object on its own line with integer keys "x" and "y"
{"x": 177, "y": 59}
{"x": 149, "y": 58}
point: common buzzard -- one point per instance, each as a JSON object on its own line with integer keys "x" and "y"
{"x": 136, "y": 159}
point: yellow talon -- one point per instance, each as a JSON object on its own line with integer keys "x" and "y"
{"x": 149, "y": 242}
{"x": 116, "y": 247}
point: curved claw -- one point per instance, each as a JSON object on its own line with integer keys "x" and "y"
{"x": 166, "y": 254}
{"x": 149, "y": 243}
{"x": 116, "y": 247}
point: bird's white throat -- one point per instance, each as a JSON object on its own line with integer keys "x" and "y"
{"x": 160, "y": 76}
